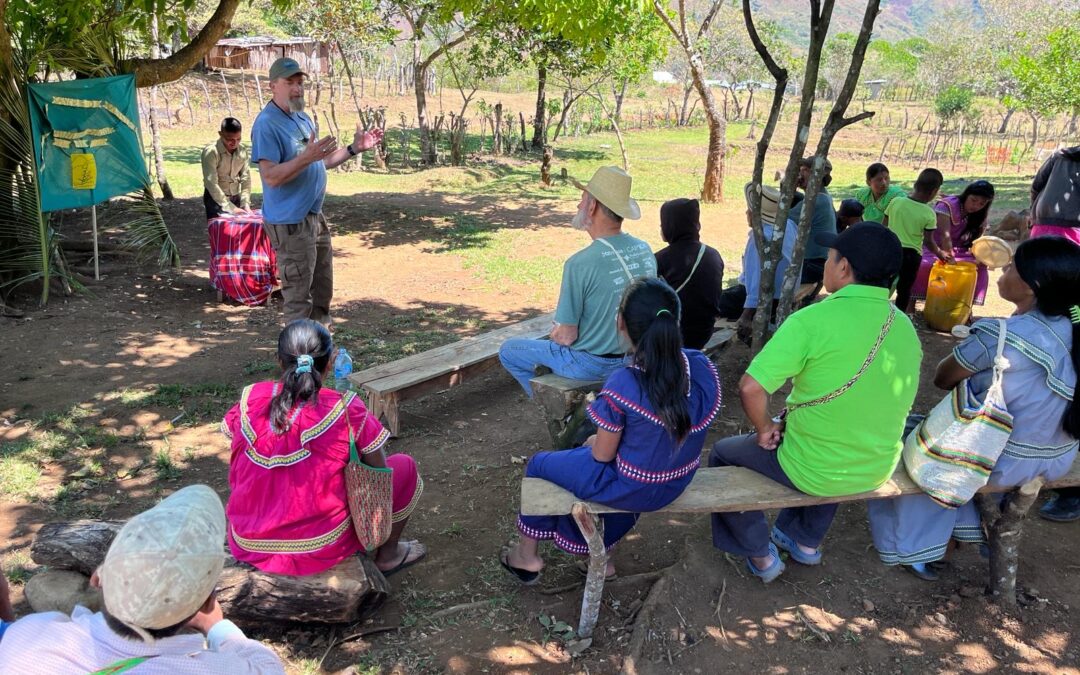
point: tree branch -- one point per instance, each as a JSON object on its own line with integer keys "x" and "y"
{"x": 682, "y": 18}
{"x": 149, "y": 72}
{"x": 659, "y": 9}
{"x": 447, "y": 46}
{"x": 706, "y": 23}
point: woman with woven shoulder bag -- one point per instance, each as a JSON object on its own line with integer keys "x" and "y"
{"x": 305, "y": 457}
{"x": 1033, "y": 389}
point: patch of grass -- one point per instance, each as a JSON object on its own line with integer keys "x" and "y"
{"x": 455, "y": 531}
{"x": 19, "y": 476}
{"x": 198, "y": 402}
{"x": 17, "y": 566}
{"x": 260, "y": 366}
{"x": 164, "y": 468}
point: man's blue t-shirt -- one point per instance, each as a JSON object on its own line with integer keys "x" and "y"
{"x": 279, "y": 136}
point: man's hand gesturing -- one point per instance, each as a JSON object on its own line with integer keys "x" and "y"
{"x": 366, "y": 140}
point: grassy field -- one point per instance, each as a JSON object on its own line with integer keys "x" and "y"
{"x": 666, "y": 163}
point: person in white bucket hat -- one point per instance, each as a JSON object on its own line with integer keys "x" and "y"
{"x": 585, "y": 342}
{"x": 160, "y": 613}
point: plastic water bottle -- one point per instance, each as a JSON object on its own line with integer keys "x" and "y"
{"x": 342, "y": 370}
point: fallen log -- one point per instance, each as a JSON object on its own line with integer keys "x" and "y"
{"x": 87, "y": 246}
{"x": 348, "y": 592}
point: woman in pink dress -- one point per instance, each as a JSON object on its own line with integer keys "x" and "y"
{"x": 960, "y": 221}
{"x": 288, "y": 511}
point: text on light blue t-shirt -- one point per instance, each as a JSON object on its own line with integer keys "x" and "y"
{"x": 279, "y": 136}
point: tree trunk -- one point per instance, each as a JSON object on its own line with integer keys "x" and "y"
{"x": 496, "y": 134}
{"x": 155, "y": 134}
{"x": 427, "y": 146}
{"x": 684, "y": 118}
{"x": 545, "y": 166}
{"x": 1003, "y": 524}
{"x": 1005, "y": 121}
{"x": 713, "y": 188}
{"x": 833, "y": 125}
{"x": 538, "y": 140}
{"x": 620, "y": 96}
{"x": 348, "y": 592}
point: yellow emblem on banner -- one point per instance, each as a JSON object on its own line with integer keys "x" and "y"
{"x": 83, "y": 172}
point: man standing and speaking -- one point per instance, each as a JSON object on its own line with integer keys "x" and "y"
{"x": 292, "y": 164}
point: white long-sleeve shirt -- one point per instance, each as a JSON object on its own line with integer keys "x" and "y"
{"x": 54, "y": 643}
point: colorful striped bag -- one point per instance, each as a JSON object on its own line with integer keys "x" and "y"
{"x": 951, "y": 453}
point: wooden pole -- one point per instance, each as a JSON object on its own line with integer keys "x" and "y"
{"x": 592, "y": 528}
{"x": 93, "y": 226}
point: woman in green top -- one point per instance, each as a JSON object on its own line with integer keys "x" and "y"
{"x": 878, "y": 193}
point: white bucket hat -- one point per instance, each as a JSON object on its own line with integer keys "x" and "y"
{"x": 165, "y": 562}
{"x": 610, "y": 185}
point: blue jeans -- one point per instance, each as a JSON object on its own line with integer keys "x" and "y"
{"x": 521, "y": 356}
{"x": 746, "y": 533}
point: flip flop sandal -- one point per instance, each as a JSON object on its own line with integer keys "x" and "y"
{"x": 786, "y": 543}
{"x": 526, "y": 577}
{"x": 583, "y": 569}
{"x": 772, "y": 571}
{"x": 405, "y": 562}
{"x": 922, "y": 570}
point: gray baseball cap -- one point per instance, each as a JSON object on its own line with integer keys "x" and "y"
{"x": 285, "y": 67}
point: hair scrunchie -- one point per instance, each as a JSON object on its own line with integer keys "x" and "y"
{"x": 304, "y": 363}
{"x": 664, "y": 311}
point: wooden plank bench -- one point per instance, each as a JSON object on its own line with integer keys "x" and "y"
{"x": 563, "y": 399}
{"x": 386, "y": 386}
{"x": 712, "y": 490}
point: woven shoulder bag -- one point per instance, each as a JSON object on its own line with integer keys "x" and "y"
{"x": 370, "y": 492}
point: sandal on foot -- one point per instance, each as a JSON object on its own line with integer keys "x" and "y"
{"x": 772, "y": 571}
{"x": 923, "y": 571}
{"x": 583, "y": 569}
{"x": 405, "y": 562}
{"x": 786, "y": 543}
{"x": 526, "y": 577}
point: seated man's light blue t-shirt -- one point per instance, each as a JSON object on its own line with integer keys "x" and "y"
{"x": 279, "y": 136}
{"x": 751, "y": 274}
{"x": 592, "y": 286}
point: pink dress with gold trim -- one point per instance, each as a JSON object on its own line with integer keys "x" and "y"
{"x": 288, "y": 511}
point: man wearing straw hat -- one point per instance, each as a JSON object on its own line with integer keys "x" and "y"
{"x": 161, "y": 613}
{"x": 584, "y": 341}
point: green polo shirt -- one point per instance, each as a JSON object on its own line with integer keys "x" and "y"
{"x": 852, "y": 443}
{"x": 909, "y": 219}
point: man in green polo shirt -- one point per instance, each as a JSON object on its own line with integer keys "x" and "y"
{"x": 853, "y": 362}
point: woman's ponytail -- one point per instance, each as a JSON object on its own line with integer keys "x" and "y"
{"x": 650, "y": 312}
{"x": 304, "y": 348}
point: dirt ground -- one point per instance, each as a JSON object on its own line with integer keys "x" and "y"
{"x": 105, "y": 364}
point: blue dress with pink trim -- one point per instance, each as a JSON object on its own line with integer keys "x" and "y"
{"x": 650, "y": 469}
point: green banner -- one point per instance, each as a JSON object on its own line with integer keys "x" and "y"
{"x": 87, "y": 144}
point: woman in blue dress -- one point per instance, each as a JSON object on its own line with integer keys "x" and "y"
{"x": 1041, "y": 345}
{"x": 651, "y": 418}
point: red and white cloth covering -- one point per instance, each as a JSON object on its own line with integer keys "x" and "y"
{"x": 243, "y": 265}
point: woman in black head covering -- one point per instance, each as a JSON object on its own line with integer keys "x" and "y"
{"x": 694, "y": 270}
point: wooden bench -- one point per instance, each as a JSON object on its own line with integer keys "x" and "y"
{"x": 563, "y": 399}
{"x": 385, "y": 387}
{"x": 726, "y": 489}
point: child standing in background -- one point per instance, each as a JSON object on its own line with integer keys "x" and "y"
{"x": 913, "y": 220}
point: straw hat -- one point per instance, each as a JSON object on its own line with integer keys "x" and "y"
{"x": 610, "y": 185}
{"x": 770, "y": 202}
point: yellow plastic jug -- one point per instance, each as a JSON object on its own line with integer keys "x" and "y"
{"x": 950, "y": 291}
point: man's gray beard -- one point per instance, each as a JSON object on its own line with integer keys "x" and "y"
{"x": 296, "y": 104}
{"x": 580, "y": 221}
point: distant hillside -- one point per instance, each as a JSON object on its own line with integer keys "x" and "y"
{"x": 899, "y": 19}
